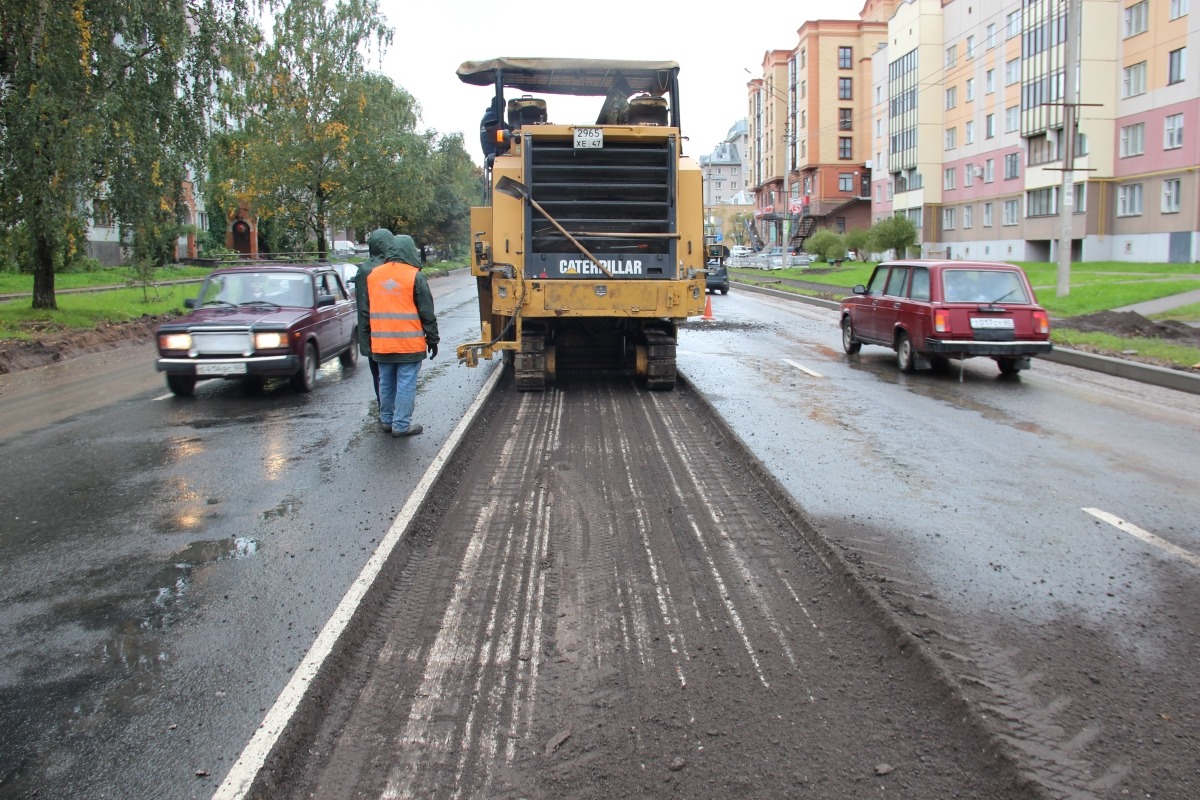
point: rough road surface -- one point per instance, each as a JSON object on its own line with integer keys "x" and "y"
{"x": 607, "y": 597}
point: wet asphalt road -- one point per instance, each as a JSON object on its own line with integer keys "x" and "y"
{"x": 165, "y": 563}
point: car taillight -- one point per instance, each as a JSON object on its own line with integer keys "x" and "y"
{"x": 1041, "y": 322}
{"x": 941, "y": 320}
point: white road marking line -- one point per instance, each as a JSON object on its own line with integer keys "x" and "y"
{"x": 241, "y": 775}
{"x": 166, "y": 396}
{"x": 1145, "y": 536}
{"x": 802, "y": 368}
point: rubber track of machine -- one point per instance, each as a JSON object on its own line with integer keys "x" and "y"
{"x": 530, "y": 363}
{"x": 660, "y": 368}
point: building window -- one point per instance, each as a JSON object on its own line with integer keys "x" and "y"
{"x": 969, "y": 132}
{"x": 1012, "y": 72}
{"x": 845, "y": 88}
{"x": 1129, "y": 200}
{"x": 1079, "y": 192}
{"x": 1172, "y": 192}
{"x": 1012, "y": 25}
{"x": 1012, "y": 212}
{"x": 951, "y": 56}
{"x": 989, "y": 81}
{"x": 102, "y": 215}
{"x": 969, "y": 174}
{"x": 1177, "y": 9}
{"x": 951, "y": 97}
{"x": 1136, "y": 17}
{"x": 845, "y": 182}
{"x": 1134, "y": 82}
{"x": 991, "y": 35}
{"x": 845, "y": 119}
{"x": 1176, "y": 63}
{"x": 803, "y": 59}
{"x": 1012, "y": 118}
{"x": 1042, "y": 149}
{"x": 845, "y": 148}
{"x": 949, "y": 178}
{"x": 951, "y": 138}
{"x": 845, "y": 58}
{"x": 1012, "y": 166}
{"x": 989, "y": 126}
{"x": 1133, "y": 140}
{"x": 1041, "y": 202}
{"x": 1173, "y": 132}
{"x": 970, "y": 89}
{"x": 878, "y": 128}
{"x": 987, "y": 215}
{"x": 968, "y": 212}
{"x": 970, "y": 47}
{"x": 989, "y": 170}
{"x": 803, "y": 120}
{"x": 948, "y": 219}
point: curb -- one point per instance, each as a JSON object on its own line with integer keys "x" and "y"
{"x": 1175, "y": 379}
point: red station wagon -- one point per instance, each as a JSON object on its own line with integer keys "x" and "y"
{"x": 929, "y": 310}
{"x": 260, "y": 321}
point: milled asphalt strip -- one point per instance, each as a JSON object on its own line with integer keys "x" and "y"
{"x": 240, "y": 777}
{"x": 1145, "y": 536}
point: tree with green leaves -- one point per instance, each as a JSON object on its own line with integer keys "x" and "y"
{"x": 317, "y": 139}
{"x": 859, "y": 240}
{"x": 458, "y": 185}
{"x": 104, "y": 98}
{"x": 896, "y": 233}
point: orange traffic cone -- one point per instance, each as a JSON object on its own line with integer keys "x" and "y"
{"x": 708, "y": 317}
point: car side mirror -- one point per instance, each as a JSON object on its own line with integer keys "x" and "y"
{"x": 189, "y": 302}
{"x": 859, "y": 289}
{"x": 325, "y": 300}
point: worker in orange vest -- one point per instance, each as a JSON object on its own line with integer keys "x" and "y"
{"x": 402, "y": 328}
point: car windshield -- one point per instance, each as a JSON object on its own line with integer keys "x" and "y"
{"x": 983, "y": 286}
{"x": 239, "y": 288}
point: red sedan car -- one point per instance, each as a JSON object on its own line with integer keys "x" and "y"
{"x": 259, "y": 321}
{"x": 930, "y": 310}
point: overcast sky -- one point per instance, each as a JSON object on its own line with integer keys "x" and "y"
{"x": 713, "y": 47}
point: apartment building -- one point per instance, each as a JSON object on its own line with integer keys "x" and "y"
{"x": 724, "y": 168}
{"x": 967, "y": 106}
{"x": 809, "y": 128}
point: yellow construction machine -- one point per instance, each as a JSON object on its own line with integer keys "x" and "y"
{"x": 589, "y": 247}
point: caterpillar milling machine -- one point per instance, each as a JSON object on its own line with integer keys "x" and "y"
{"x": 589, "y": 247}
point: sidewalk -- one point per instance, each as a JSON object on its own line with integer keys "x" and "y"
{"x": 1163, "y": 303}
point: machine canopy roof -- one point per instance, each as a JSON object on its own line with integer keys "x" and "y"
{"x": 572, "y": 76}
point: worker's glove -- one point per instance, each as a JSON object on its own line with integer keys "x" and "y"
{"x": 432, "y": 352}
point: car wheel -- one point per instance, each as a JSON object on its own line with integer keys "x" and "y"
{"x": 905, "y": 359}
{"x": 725, "y": 290}
{"x": 849, "y": 343}
{"x": 181, "y": 385}
{"x": 1008, "y": 366}
{"x": 349, "y": 356}
{"x": 306, "y": 378}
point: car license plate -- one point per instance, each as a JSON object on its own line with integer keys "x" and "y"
{"x": 220, "y": 369}
{"x": 992, "y": 323}
{"x": 589, "y": 138}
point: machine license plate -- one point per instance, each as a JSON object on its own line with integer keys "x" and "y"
{"x": 220, "y": 369}
{"x": 992, "y": 323}
{"x": 589, "y": 138}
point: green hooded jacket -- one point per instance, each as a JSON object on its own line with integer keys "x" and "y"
{"x": 377, "y": 245}
{"x": 402, "y": 248}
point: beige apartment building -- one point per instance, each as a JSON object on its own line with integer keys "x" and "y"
{"x": 964, "y": 108}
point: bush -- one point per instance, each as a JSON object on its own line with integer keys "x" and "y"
{"x": 826, "y": 245}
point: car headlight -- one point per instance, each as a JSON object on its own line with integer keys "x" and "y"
{"x": 175, "y": 341}
{"x": 269, "y": 340}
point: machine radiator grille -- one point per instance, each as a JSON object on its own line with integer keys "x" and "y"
{"x": 622, "y": 188}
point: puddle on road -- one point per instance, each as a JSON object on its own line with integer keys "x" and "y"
{"x": 131, "y": 644}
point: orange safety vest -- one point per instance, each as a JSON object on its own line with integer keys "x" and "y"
{"x": 395, "y": 323}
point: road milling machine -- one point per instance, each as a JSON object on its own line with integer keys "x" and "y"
{"x": 589, "y": 247}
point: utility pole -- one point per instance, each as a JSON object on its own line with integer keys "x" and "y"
{"x": 1070, "y": 101}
